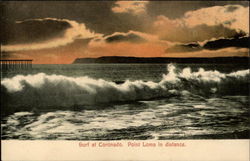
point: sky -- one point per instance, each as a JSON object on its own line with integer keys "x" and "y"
{"x": 58, "y": 32}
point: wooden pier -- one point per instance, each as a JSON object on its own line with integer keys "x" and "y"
{"x": 17, "y": 64}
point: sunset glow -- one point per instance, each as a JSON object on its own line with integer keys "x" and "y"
{"x": 126, "y": 28}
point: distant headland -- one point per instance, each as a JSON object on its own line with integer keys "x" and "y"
{"x": 160, "y": 60}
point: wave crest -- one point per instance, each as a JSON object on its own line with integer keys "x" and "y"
{"x": 58, "y": 90}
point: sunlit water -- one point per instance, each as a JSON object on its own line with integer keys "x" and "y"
{"x": 126, "y": 101}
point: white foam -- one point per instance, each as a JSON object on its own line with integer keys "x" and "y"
{"x": 57, "y": 90}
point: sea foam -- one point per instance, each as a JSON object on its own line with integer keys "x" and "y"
{"x": 42, "y": 90}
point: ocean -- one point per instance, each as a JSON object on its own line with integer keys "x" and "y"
{"x": 126, "y": 102}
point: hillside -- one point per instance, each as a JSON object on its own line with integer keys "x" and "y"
{"x": 158, "y": 60}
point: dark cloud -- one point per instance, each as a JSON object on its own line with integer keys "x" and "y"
{"x": 85, "y": 19}
{"x": 225, "y": 43}
{"x": 130, "y": 37}
{"x": 94, "y": 14}
{"x": 237, "y": 42}
{"x": 44, "y": 33}
{"x": 98, "y": 15}
{"x": 184, "y": 48}
{"x": 31, "y": 31}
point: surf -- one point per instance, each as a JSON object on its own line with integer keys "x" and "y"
{"x": 42, "y": 90}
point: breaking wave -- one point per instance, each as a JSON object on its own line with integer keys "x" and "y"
{"x": 42, "y": 90}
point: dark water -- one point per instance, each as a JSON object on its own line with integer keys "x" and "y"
{"x": 126, "y": 101}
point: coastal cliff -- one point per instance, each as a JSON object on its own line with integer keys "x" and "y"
{"x": 159, "y": 60}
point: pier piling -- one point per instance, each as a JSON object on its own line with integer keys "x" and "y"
{"x": 15, "y": 64}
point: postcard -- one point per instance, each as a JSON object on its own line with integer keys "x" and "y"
{"x": 125, "y": 80}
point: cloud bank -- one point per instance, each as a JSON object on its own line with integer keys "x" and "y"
{"x": 131, "y": 43}
{"x": 204, "y": 24}
{"x": 231, "y": 16}
{"x": 242, "y": 42}
{"x": 130, "y": 37}
{"x": 217, "y": 31}
{"x": 46, "y": 33}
